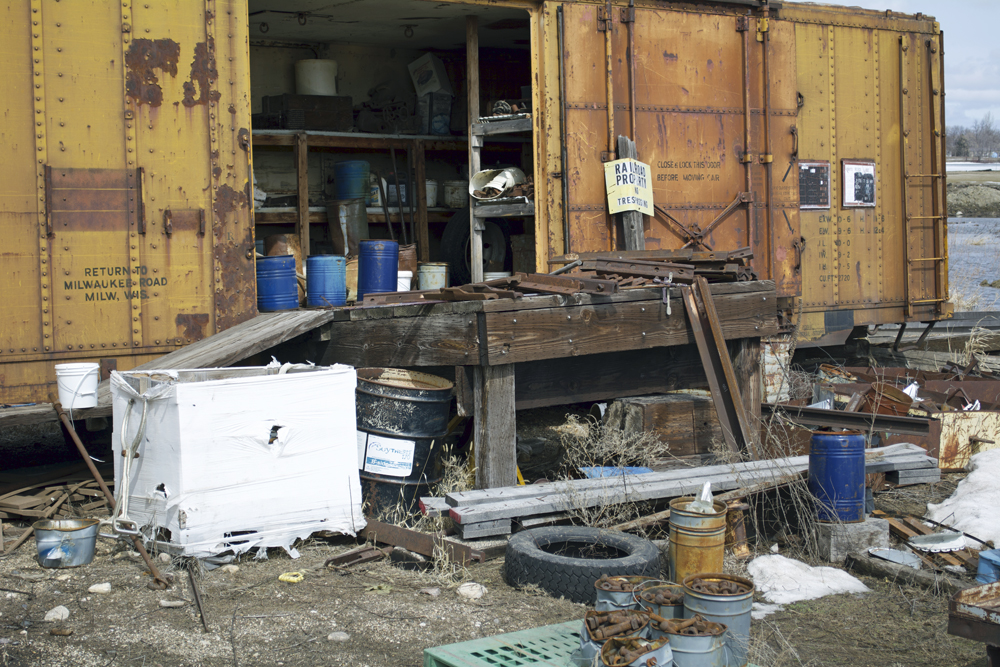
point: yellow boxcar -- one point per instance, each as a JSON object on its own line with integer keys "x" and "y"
{"x": 812, "y": 134}
{"x": 125, "y": 193}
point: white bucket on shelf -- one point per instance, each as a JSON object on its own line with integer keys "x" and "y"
{"x": 432, "y": 275}
{"x": 78, "y": 385}
{"x": 456, "y": 194}
{"x": 432, "y": 193}
{"x": 403, "y": 281}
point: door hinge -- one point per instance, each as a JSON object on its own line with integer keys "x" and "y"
{"x": 762, "y": 24}
{"x": 742, "y": 23}
{"x": 628, "y": 14}
{"x": 605, "y": 19}
{"x": 168, "y": 225}
{"x": 766, "y": 158}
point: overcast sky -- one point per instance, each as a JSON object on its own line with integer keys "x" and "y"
{"x": 972, "y": 52}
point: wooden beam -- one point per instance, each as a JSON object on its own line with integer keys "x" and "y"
{"x": 433, "y": 340}
{"x": 529, "y": 335}
{"x": 495, "y": 426}
{"x": 476, "y": 226}
{"x": 422, "y": 234}
{"x": 302, "y": 183}
{"x": 358, "y": 140}
{"x": 750, "y": 380}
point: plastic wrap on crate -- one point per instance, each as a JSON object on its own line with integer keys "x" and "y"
{"x": 238, "y": 458}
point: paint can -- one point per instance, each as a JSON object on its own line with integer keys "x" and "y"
{"x": 326, "y": 280}
{"x": 378, "y": 264}
{"x": 432, "y": 275}
{"x": 697, "y": 541}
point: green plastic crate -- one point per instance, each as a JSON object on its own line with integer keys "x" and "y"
{"x": 549, "y": 646}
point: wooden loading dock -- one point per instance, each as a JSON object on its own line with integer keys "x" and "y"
{"x": 507, "y": 354}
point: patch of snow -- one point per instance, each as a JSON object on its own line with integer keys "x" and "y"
{"x": 760, "y": 610}
{"x": 784, "y": 580}
{"x": 972, "y": 508}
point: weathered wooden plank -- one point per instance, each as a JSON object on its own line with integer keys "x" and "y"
{"x": 434, "y": 340}
{"x": 495, "y": 426}
{"x": 628, "y": 373}
{"x": 574, "y": 331}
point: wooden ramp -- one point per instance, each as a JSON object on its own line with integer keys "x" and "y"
{"x": 223, "y": 349}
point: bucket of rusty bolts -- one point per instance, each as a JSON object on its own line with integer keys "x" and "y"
{"x": 695, "y": 642}
{"x": 661, "y": 598}
{"x": 726, "y": 599}
{"x": 617, "y": 592}
{"x": 637, "y": 653}
{"x": 697, "y": 541}
{"x": 65, "y": 542}
{"x": 600, "y": 626}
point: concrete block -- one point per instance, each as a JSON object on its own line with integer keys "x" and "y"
{"x": 836, "y": 540}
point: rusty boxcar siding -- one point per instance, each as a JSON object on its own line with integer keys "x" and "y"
{"x": 125, "y": 185}
{"x": 728, "y": 102}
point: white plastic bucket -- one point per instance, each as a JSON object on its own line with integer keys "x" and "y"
{"x": 432, "y": 275}
{"x": 432, "y": 193}
{"x": 456, "y": 194}
{"x": 77, "y": 385}
{"x": 403, "y": 281}
{"x": 316, "y": 77}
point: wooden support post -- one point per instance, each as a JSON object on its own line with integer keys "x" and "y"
{"x": 495, "y": 432}
{"x": 302, "y": 180}
{"x": 632, "y": 222}
{"x": 422, "y": 238}
{"x": 475, "y": 142}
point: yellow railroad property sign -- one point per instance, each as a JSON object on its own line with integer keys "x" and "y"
{"x": 629, "y": 186}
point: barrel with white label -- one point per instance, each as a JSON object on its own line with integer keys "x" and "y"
{"x": 402, "y": 420}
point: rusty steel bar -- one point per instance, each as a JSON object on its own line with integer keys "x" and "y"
{"x": 937, "y": 154}
{"x": 768, "y": 157}
{"x": 564, "y": 132}
{"x": 197, "y": 595}
{"x": 609, "y": 67}
{"x": 158, "y": 578}
{"x": 904, "y": 213}
{"x": 746, "y": 159}
{"x": 630, "y": 12}
{"x": 420, "y": 543}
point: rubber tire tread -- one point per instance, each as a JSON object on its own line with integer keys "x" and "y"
{"x": 525, "y": 561}
{"x": 455, "y": 245}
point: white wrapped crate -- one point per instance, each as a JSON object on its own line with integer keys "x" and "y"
{"x": 239, "y": 458}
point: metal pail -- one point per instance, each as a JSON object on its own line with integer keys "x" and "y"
{"x": 65, "y": 542}
{"x": 837, "y": 475}
{"x": 733, "y": 611}
{"x": 660, "y": 652}
{"x": 609, "y": 600}
{"x": 277, "y": 286}
{"x": 591, "y": 647}
{"x": 326, "y": 280}
{"x": 698, "y": 651}
{"x": 697, "y": 541}
{"x": 664, "y": 610}
{"x": 402, "y": 420}
{"x": 350, "y": 179}
{"x": 378, "y": 265}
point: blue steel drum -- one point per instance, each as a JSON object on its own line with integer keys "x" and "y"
{"x": 378, "y": 265}
{"x": 837, "y": 475}
{"x": 350, "y": 179}
{"x": 277, "y": 288}
{"x": 326, "y": 280}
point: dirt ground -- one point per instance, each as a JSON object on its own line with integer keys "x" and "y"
{"x": 387, "y": 614}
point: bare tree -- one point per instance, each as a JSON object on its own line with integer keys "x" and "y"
{"x": 984, "y": 137}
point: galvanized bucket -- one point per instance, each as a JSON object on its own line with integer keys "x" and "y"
{"x": 732, "y": 611}
{"x": 697, "y": 651}
{"x": 65, "y": 542}
{"x": 613, "y": 600}
{"x": 697, "y": 541}
{"x": 664, "y": 610}
{"x": 661, "y": 653}
{"x": 591, "y": 647}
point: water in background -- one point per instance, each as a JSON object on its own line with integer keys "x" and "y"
{"x": 974, "y": 256}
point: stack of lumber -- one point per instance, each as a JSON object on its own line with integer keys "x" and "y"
{"x": 491, "y": 512}
{"x": 907, "y": 527}
{"x": 70, "y": 494}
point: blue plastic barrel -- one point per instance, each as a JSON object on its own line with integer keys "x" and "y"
{"x": 837, "y": 475}
{"x": 277, "y": 288}
{"x": 326, "y": 280}
{"x": 378, "y": 264}
{"x": 350, "y": 179}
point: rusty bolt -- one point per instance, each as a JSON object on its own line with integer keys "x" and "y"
{"x": 104, "y": 344}
{"x": 46, "y": 348}
{"x": 157, "y": 342}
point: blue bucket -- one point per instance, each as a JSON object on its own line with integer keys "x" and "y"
{"x": 837, "y": 475}
{"x": 351, "y": 179}
{"x": 378, "y": 266}
{"x": 277, "y": 288}
{"x": 988, "y": 570}
{"x": 326, "y": 280}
